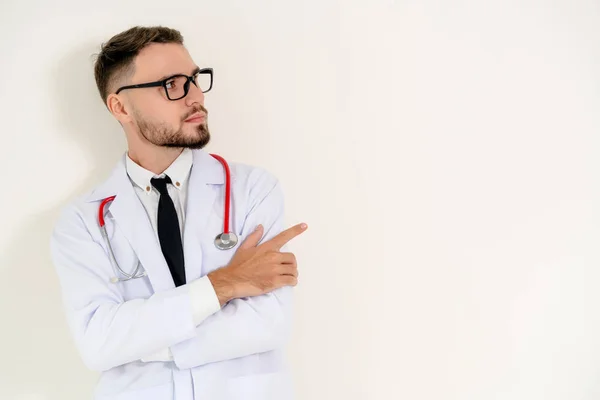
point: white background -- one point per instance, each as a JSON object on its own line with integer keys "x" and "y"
{"x": 444, "y": 154}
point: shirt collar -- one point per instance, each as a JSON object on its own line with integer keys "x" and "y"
{"x": 178, "y": 171}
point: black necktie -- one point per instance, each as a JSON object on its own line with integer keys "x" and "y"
{"x": 168, "y": 231}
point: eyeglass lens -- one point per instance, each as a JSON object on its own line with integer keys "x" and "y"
{"x": 176, "y": 87}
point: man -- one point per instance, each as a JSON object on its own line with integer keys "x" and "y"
{"x": 152, "y": 303}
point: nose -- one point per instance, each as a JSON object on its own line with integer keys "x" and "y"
{"x": 194, "y": 95}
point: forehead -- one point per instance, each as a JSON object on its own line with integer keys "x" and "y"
{"x": 158, "y": 60}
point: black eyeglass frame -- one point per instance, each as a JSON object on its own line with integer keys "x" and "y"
{"x": 163, "y": 83}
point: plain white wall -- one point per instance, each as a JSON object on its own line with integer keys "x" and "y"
{"x": 443, "y": 153}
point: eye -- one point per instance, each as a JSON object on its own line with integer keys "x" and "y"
{"x": 170, "y": 84}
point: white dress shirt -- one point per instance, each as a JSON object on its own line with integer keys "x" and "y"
{"x": 202, "y": 294}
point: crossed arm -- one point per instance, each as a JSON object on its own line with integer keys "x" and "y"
{"x": 109, "y": 331}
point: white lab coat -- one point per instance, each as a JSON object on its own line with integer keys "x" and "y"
{"x": 237, "y": 353}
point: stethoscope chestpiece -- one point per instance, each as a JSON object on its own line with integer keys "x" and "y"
{"x": 226, "y": 241}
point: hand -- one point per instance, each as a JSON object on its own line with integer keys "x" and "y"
{"x": 258, "y": 269}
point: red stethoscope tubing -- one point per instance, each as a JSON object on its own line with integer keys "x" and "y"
{"x": 227, "y": 192}
{"x": 227, "y": 197}
{"x": 101, "y": 210}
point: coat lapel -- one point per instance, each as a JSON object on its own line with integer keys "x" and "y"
{"x": 206, "y": 172}
{"x": 131, "y": 218}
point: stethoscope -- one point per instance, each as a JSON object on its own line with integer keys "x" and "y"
{"x": 223, "y": 241}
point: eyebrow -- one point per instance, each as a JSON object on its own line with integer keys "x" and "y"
{"x": 196, "y": 70}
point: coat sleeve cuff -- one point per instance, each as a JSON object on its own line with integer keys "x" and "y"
{"x": 204, "y": 299}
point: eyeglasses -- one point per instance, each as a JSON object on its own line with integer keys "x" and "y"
{"x": 177, "y": 86}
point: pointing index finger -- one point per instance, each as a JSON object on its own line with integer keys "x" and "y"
{"x": 278, "y": 241}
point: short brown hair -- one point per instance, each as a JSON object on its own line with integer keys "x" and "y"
{"x": 116, "y": 58}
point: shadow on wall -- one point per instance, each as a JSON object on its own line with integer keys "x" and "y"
{"x": 41, "y": 360}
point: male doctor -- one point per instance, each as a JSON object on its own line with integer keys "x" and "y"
{"x": 195, "y": 321}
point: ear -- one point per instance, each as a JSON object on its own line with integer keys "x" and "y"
{"x": 116, "y": 105}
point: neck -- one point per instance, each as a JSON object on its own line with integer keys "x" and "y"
{"x": 156, "y": 161}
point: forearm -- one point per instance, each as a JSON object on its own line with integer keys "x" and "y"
{"x": 110, "y": 334}
{"x": 204, "y": 303}
{"x": 242, "y": 327}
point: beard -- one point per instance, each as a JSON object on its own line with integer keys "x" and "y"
{"x": 160, "y": 134}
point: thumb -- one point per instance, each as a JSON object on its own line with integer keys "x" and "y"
{"x": 253, "y": 239}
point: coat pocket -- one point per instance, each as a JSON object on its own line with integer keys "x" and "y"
{"x": 263, "y": 386}
{"x": 159, "y": 392}
{"x": 259, "y": 386}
